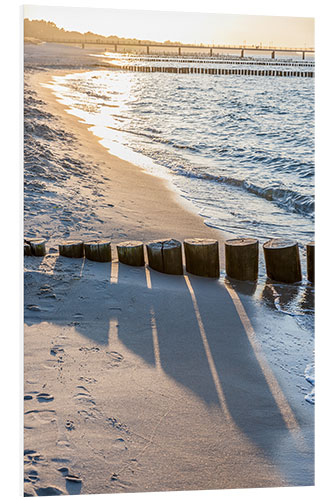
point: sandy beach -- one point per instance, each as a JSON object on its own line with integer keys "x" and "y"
{"x": 134, "y": 380}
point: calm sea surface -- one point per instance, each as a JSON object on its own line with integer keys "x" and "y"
{"x": 241, "y": 148}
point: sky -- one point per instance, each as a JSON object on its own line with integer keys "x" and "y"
{"x": 184, "y": 27}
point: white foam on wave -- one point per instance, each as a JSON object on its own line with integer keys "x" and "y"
{"x": 310, "y": 377}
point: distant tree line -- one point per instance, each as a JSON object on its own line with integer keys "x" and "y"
{"x": 45, "y": 30}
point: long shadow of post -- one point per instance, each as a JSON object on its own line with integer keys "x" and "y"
{"x": 134, "y": 328}
{"x": 181, "y": 350}
{"x": 247, "y": 393}
{"x": 248, "y": 396}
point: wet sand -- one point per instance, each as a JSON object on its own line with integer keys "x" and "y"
{"x": 135, "y": 380}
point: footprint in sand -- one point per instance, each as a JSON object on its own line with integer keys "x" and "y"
{"x": 88, "y": 380}
{"x": 31, "y": 476}
{"x": 58, "y": 352}
{"x": 44, "y": 289}
{"x": 114, "y": 359}
{"x": 83, "y": 396}
{"x": 69, "y": 476}
{"x": 60, "y": 460}
{"x": 115, "y": 479}
{"x": 44, "y": 397}
{"x": 64, "y": 470}
{"x": 89, "y": 349}
{"x": 73, "y": 478}
{"x": 115, "y": 355}
{"x": 113, "y": 422}
{"x": 33, "y": 307}
{"x": 69, "y": 425}
{"x": 92, "y": 414}
{"x": 119, "y": 445}
{"x": 31, "y": 457}
{"x": 47, "y": 292}
{"x": 63, "y": 443}
{"x": 56, "y": 349}
{"x": 34, "y": 418}
{"x": 48, "y": 491}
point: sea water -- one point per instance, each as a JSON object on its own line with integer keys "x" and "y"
{"x": 240, "y": 148}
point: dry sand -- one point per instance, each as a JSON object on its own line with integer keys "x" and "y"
{"x": 135, "y": 380}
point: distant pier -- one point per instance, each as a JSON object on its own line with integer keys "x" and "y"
{"x": 181, "y": 48}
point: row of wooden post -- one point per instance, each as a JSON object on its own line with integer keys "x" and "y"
{"x": 281, "y": 258}
{"x": 218, "y": 71}
{"x": 201, "y": 256}
{"x": 233, "y": 61}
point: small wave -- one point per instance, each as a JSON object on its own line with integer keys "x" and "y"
{"x": 299, "y": 203}
{"x": 153, "y": 138}
{"x": 287, "y": 198}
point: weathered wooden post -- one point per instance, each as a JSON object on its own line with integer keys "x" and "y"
{"x": 37, "y": 246}
{"x": 241, "y": 258}
{"x": 282, "y": 260}
{"x": 165, "y": 256}
{"x": 99, "y": 251}
{"x": 202, "y": 257}
{"x": 27, "y": 249}
{"x": 131, "y": 253}
{"x": 72, "y": 248}
{"x": 310, "y": 261}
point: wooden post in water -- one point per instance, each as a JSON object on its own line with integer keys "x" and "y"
{"x": 241, "y": 258}
{"x": 99, "y": 251}
{"x": 310, "y": 261}
{"x": 165, "y": 256}
{"x": 73, "y": 249}
{"x": 131, "y": 253}
{"x": 37, "y": 246}
{"x": 282, "y": 260}
{"x": 202, "y": 257}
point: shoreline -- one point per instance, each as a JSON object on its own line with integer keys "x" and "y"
{"x": 175, "y": 208}
{"x": 134, "y": 380}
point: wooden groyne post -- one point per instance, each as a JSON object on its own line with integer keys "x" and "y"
{"x": 202, "y": 257}
{"x": 131, "y": 253}
{"x": 99, "y": 251}
{"x": 37, "y": 247}
{"x": 27, "y": 249}
{"x": 165, "y": 256}
{"x": 242, "y": 259}
{"x": 282, "y": 260}
{"x": 72, "y": 248}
